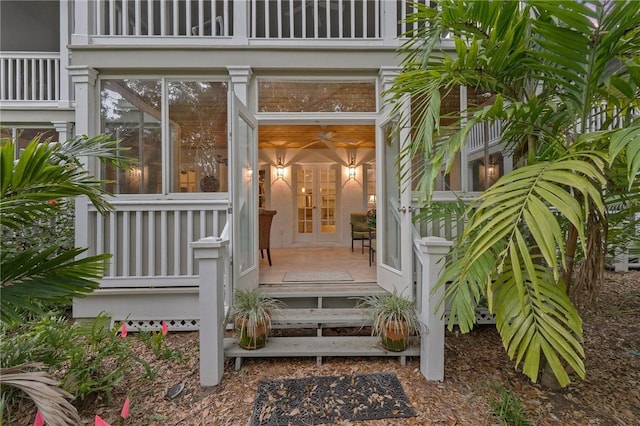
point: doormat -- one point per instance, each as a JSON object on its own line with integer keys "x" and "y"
{"x": 326, "y": 400}
{"x": 317, "y": 276}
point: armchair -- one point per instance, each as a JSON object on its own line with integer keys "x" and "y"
{"x": 359, "y": 229}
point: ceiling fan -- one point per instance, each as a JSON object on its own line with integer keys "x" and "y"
{"x": 328, "y": 137}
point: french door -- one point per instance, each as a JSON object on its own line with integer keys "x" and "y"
{"x": 393, "y": 215}
{"x": 244, "y": 199}
{"x": 316, "y": 203}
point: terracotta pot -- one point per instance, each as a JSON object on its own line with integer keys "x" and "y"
{"x": 249, "y": 340}
{"x": 395, "y": 336}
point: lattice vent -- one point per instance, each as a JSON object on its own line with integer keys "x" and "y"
{"x": 155, "y": 325}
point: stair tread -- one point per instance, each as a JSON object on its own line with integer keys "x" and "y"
{"x": 318, "y": 346}
{"x": 321, "y": 289}
{"x": 326, "y": 316}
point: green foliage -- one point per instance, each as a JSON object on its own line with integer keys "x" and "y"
{"x": 155, "y": 341}
{"x": 548, "y": 68}
{"x": 390, "y": 309}
{"x": 37, "y": 188}
{"x": 509, "y": 409}
{"x": 88, "y": 358}
{"x": 100, "y": 362}
{"x": 255, "y": 307}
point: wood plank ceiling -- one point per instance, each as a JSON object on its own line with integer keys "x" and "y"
{"x": 316, "y": 136}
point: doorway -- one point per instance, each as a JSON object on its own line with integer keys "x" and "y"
{"x": 316, "y": 199}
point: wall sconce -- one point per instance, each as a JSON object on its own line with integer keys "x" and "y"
{"x": 492, "y": 169}
{"x": 279, "y": 169}
{"x": 352, "y": 169}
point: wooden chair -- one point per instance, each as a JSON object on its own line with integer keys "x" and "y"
{"x": 372, "y": 245}
{"x": 265, "y": 217}
{"x": 359, "y": 229}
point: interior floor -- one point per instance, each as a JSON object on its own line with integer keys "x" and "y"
{"x": 320, "y": 259}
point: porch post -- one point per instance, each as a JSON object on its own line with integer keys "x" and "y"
{"x": 432, "y": 252}
{"x": 240, "y": 80}
{"x": 84, "y": 83}
{"x": 211, "y": 252}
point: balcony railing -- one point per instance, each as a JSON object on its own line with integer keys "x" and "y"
{"x": 255, "y": 19}
{"x": 482, "y": 133}
{"x": 29, "y": 76}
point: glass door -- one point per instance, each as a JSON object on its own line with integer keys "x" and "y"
{"x": 244, "y": 199}
{"x": 316, "y": 193}
{"x": 394, "y": 227}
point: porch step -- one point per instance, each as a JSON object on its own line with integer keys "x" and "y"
{"x": 318, "y": 347}
{"x": 319, "y": 318}
{"x": 320, "y": 295}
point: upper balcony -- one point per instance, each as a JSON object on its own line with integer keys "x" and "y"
{"x": 304, "y": 23}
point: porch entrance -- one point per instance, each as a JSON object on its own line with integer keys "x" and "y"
{"x": 315, "y": 176}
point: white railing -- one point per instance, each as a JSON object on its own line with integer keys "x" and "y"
{"x": 481, "y": 132}
{"x": 315, "y": 19}
{"x": 149, "y": 239}
{"x": 198, "y": 18}
{"x": 360, "y": 20}
{"x": 30, "y": 76}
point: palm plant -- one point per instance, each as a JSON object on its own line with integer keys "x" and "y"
{"x": 33, "y": 188}
{"x": 547, "y": 66}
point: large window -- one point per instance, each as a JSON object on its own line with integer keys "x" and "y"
{"x": 187, "y": 152}
{"x": 316, "y": 96}
{"x": 22, "y": 136}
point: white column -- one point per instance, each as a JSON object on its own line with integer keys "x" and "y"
{"x": 84, "y": 20}
{"x": 64, "y": 129}
{"x": 240, "y": 79}
{"x": 65, "y": 30}
{"x": 389, "y": 23}
{"x": 432, "y": 252}
{"x": 386, "y": 77}
{"x": 240, "y": 22}
{"x": 211, "y": 253}
{"x": 84, "y": 84}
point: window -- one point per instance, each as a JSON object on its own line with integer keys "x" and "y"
{"x": 316, "y": 96}
{"x": 22, "y": 136}
{"x": 193, "y": 155}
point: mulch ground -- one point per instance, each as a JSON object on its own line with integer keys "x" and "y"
{"x": 476, "y": 367}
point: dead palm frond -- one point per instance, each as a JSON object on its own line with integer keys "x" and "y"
{"x": 44, "y": 391}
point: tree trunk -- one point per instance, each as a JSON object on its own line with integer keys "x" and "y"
{"x": 590, "y": 273}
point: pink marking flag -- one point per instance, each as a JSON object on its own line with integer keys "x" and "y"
{"x": 123, "y": 330}
{"x": 165, "y": 328}
{"x": 125, "y": 409}
{"x": 100, "y": 422}
{"x": 38, "y": 421}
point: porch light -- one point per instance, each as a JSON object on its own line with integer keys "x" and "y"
{"x": 352, "y": 169}
{"x": 279, "y": 169}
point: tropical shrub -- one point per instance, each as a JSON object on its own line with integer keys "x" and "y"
{"x": 563, "y": 77}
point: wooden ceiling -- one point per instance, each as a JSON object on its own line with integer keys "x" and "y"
{"x": 316, "y": 136}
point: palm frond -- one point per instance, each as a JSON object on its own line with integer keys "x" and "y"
{"x": 46, "y": 276}
{"x": 537, "y": 318}
{"x": 45, "y": 392}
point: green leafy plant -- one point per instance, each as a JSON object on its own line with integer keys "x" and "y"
{"x": 251, "y": 313}
{"x": 394, "y": 318}
{"x": 547, "y": 69}
{"x": 508, "y": 409}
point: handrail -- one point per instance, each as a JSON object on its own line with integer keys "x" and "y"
{"x": 30, "y": 76}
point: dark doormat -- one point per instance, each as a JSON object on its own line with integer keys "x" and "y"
{"x": 322, "y": 400}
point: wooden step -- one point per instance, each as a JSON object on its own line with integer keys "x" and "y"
{"x": 318, "y": 347}
{"x": 321, "y": 289}
{"x": 318, "y": 318}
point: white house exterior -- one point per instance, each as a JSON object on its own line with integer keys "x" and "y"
{"x": 229, "y": 106}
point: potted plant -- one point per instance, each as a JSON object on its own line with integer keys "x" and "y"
{"x": 251, "y": 313}
{"x": 394, "y": 319}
